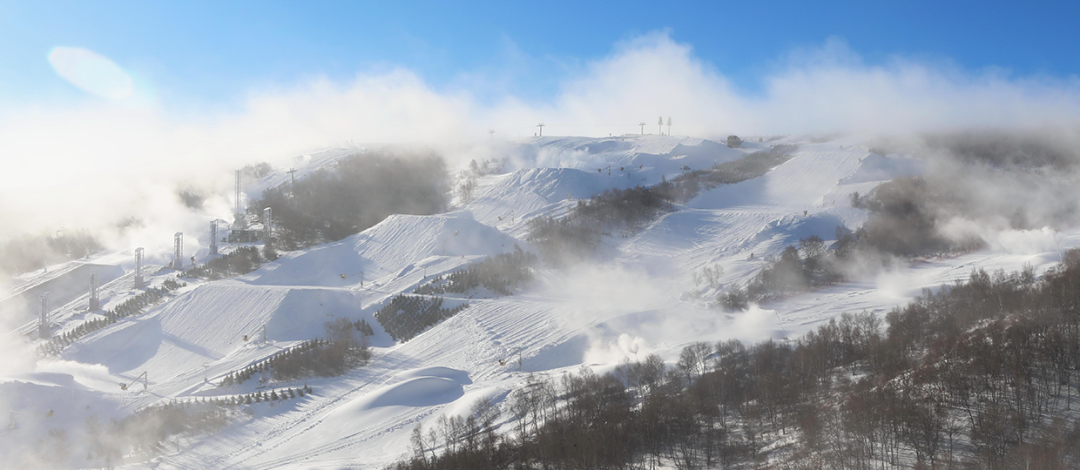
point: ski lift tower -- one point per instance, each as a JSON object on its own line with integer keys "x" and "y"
{"x": 268, "y": 215}
{"x": 238, "y": 214}
{"x": 95, "y": 302}
{"x": 138, "y": 267}
{"x": 213, "y": 237}
{"x": 43, "y": 325}
{"x": 178, "y": 250}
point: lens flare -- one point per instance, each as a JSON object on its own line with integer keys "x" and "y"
{"x": 92, "y": 72}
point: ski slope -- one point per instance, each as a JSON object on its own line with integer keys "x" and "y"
{"x": 639, "y": 299}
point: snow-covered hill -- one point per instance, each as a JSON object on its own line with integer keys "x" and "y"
{"x": 638, "y": 300}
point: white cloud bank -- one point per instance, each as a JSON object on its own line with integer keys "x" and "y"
{"x": 91, "y": 164}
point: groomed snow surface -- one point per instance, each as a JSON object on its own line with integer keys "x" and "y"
{"x": 638, "y": 300}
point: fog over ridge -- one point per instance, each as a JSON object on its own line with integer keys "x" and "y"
{"x": 92, "y": 164}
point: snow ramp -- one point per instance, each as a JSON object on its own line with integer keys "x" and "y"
{"x": 385, "y": 249}
{"x": 208, "y": 324}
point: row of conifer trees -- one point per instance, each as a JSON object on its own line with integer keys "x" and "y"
{"x": 130, "y": 307}
{"x": 406, "y": 316}
{"x": 500, "y": 273}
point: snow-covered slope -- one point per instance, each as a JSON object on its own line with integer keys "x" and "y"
{"x": 396, "y": 250}
{"x": 639, "y": 300}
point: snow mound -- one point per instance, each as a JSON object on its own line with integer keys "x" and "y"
{"x": 816, "y": 176}
{"x": 641, "y": 159}
{"x": 876, "y": 168}
{"x": 397, "y": 242}
{"x": 456, "y": 375}
{"x": 419, "y": 391}
{"x": 537, "y": 191}
{"x": 208, "y": 325}
{"x": 304, "y": 165}
{"x": 802, "y": 181}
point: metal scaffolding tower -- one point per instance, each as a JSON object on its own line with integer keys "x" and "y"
{"x": 138, "y": 267}
{"x": 213, "y": 237}
{"x": 238, "y": 222}
{"x": 43, "y": 325}
{"x": 95, "y": 302}
{"x": 178, "y": 250}
{"x": 268, "y": 215}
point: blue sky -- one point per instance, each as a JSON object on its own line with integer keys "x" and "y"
{"x": 210, "y": 54}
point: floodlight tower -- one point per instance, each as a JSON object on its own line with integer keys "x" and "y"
{"x": 213, "y": 237}
{"x": 43, "y": 324}
{"x": 138, "y": 267}
{"x": 541, "y": 126}
{"x": 95, "y": 302}
{"x": 642, "y": 124}
{"x": 268, "y": 215}
{"x": 238, "y": 213}
{"x": 178, "y": 250}
{"x": 660, "y": 126}
{"x": 669, "y": 125}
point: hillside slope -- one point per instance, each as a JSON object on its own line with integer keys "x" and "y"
{"x": 638, "y": 298}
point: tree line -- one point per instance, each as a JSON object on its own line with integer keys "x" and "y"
{"x": 328, "y": 357}
{"x": 238, "y": 262}
{"x": 905, "y": 221}
{"x": 684, "y": 187}
{"x": 500, "y": 273}
{"x": 576, "y": 236}
{"x": 796, "y": 270}
{"x": 405, "y": 316}
{"x": 978, "y": 375}
{"x": 147, "y": 432}
{"x": 357, "y": 192}
{"x": 132, "y": 306}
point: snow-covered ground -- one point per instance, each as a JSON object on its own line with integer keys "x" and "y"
{"x": 639, "y": 299}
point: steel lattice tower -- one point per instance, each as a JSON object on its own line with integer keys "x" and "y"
{"x": 213, "y": 237}
{"x": 138, "y": 267}
{"x": 95, "y": 302}
{"x": 178, "y": 250}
